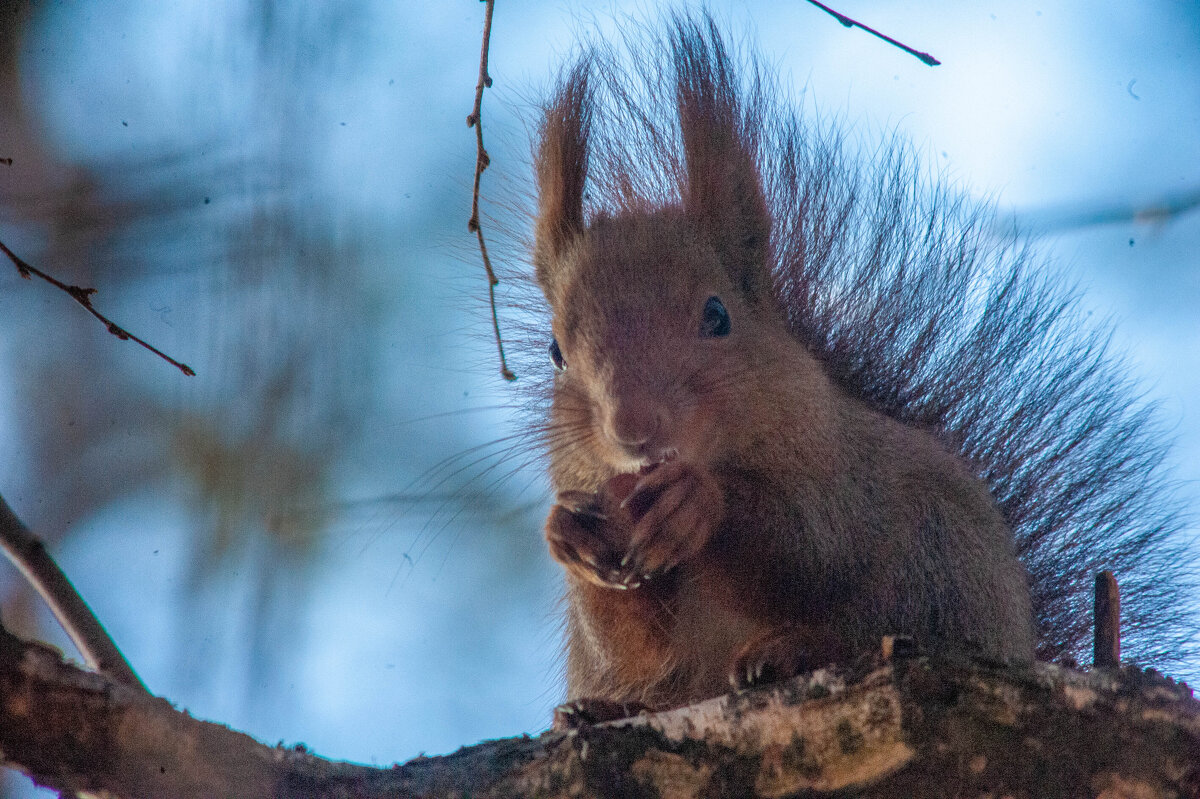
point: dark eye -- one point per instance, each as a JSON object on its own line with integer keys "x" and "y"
{"x": 715, "y": 322}
{"x": 556, "y": 356}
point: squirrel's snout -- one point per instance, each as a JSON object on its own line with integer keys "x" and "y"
{"x": 638, "y": 427}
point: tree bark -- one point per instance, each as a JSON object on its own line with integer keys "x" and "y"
{"x": 912, "y": 725}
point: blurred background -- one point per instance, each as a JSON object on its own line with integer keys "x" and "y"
{"x": 329, "y": 535}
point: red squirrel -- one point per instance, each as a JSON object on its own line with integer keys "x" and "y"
{"x": 764, "y": 442}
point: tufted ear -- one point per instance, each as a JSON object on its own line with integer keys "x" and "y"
{"x": 562, "y": 165}
{"x": 722, "y": 190}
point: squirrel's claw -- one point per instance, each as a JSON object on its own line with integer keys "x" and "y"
{"x": 666, "y": 519}
{"x": 583, "y": 712}
{"x": 768, "y": 659}
{"x": 781, "y": 653}
{"x": 581, "y": 502}
{"x": 676, "y": 508}
{"x": 579, "y": 537}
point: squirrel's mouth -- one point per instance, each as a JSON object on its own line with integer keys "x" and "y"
{"x": 647, "y": 462}
{"x": 643, "y": 457}
{"x": 664, "y": 456}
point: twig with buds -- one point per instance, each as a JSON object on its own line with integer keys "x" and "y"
{"x": 83, "y": 296}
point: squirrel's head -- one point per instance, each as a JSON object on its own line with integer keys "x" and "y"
{"x": 660, "y": 314}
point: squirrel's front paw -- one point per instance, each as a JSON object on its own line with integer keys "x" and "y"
{"x": 586, "y": 536}
{"x": 675, "y": 508}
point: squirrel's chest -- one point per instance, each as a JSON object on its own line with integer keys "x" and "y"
{"x": 665, "y": 644}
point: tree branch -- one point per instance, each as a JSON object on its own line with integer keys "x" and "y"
{"x": 852, "y": 23}
{"x": 83, "y": 296}
{"x": 475, "y": 120}
{"x": 29, "y": 555}
{"x": 911, "y": 726}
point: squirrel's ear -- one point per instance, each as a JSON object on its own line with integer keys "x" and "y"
{"x": 722, "y": 190}
{"x": 562, "y": 165}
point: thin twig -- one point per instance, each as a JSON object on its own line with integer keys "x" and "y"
{"x": 83, "y": 296}
{"x": 475, "y": 120}
{"x": 29, "y": 555}
{"x": 851, "y": 23}
{"x": 1106, "y": 651}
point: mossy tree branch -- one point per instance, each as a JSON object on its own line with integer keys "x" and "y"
{"x": 912, "y": 726}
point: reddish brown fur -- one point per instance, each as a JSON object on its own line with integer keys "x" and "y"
{"x": 783, "y": 523}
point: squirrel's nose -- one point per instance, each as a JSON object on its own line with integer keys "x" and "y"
{"x": 634, "y": 425}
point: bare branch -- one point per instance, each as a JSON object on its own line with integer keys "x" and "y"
{"x": 851, "y": 23}
{"x": 1106, "y": 652}
{"x": 475, "y": 120}
{"x": 29, "y": 555}
{"x": 83, "y": 296}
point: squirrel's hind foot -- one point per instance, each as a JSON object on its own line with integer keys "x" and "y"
{"x": 780, "y": 653}
{"x": 584, "y": 712}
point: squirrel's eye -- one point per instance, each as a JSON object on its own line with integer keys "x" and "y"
{"x": 556, "y": 356}
{"x": 715, "y": 322}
